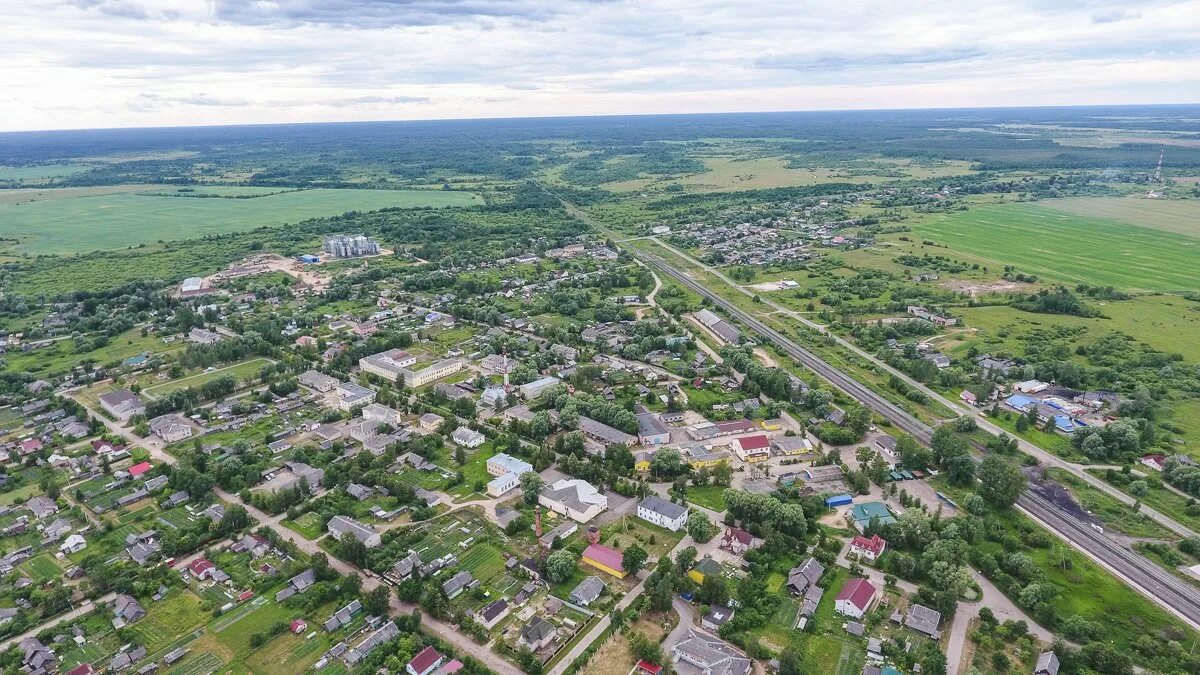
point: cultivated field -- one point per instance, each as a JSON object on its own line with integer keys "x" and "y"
{"x": 1168, "y": 215}
{"x": 40, "y": 171}
{"x": 75, "y": 224}
{"x": 1072, "y": 249}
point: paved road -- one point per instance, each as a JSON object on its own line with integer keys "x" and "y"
{"x": 1043, "y": 456}
{"x": 1148, "y": 578}
{"x": 444, "y": 631}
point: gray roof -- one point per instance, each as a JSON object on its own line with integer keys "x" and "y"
{"x": 663, "y": 507}
{"x": 588, "y": 590}
{"x": 1047, "y": 664}
{"x": 650, "y": 425}
{"x": 804, "y": 575}
{"x": 605, "y": 433}
{"x": 715, "y": 656}
{"x": 923, "y": 620}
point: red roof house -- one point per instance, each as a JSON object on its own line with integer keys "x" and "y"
{"x": 298, "y": 626}
{"x": 30, "y": 445}
{"x": 737, "y": 540}
{"x": 753, "y": 448}
{"x": 138, "y": 469}
{"x": 1155, "y": 462}
{"x": 424, "y": 662}
{"x": 201, "y": 567}
{"x": 735, "y": 426}
{"x": 82, "y": 669}
{"x": 103, "y": 447}
{"x": 855, "y": 598}
{"x": 245, "y": 595}
{"x": 868, "y": 548}
{"x": 605, "y": 559}
{"x": 450, "y": 668}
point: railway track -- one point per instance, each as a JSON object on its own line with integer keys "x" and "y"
{"x": 1175, "y": 594}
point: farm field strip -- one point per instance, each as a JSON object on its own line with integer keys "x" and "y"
{"x": 89, "y": 223}
{"x": 1070, "y": 248}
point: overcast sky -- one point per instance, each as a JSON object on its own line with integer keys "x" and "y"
{"x": 118, "y": 63}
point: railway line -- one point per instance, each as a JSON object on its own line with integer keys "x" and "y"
{"x": 1171, "y": 592}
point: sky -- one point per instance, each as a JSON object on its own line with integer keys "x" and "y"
{"x": 133, "y": 63}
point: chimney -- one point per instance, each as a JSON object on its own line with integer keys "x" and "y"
{"x": 593, "y": 535}
{"x": 537, "y": 521}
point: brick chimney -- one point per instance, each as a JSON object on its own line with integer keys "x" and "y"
{"x": 537, "y": 521}
{"x": 593, "y": 535}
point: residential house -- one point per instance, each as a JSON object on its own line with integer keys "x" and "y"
{"x": 804, "y": 575}
{"x": 297, "y": 584}
{"x": 855, "y": 598}
{"x": 126, "y": 610}
{"x": 738, "y": 541}
{"x": 718, "y": 615}
{"x": 467, "y": 437}
{"x": 458, "y": 583}
{"x": 537, "y": 634}
{"x": 341, "y": 526}
{"x": 493, "y": 613}
{"x": 924, "y": 620}
{"x": 384, "y": 633}
{"x": 868, "y": 549}
{"x": 655, "y": 509}
{"x": 1047, "y": 664}
{"x": 425, "y": 662}
{"x": 587, "y": 591}
{"x": 704, "y": 568}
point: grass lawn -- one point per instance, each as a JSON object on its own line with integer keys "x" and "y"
{"x": 484, "y": 561}
{"x": 1160, "y": 499}
{"x": 43, "y": 568}
{"x": 623, "y": 533}
{"x": 1041, "y": 240}
{"x": 78, "y": 224}
{"x": 308, "y": 525}
{"x": 20, "y": 494}
{"x": 709, "y": 496}
{"x": 474, "y": 470}
{"x": 1116, "y": 515}
{"x": 1088, "y": 590}
{"x": 241, "y": 371}
{"x": 62, "y": 354}
{"x": 236, "y": 633}
{"x": 168, "y": 619}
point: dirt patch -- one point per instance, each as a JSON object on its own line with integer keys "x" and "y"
{"x": 765, "y": 358}
{"x": 975, "y": 288}
{"x": 615, "y": 658}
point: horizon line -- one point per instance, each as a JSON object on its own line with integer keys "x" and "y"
{"x": 601, "y": 116}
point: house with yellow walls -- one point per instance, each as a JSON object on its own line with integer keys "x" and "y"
{"x": 704, "y": 567}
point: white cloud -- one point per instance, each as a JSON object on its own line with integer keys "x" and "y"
{"x": 103, "y": 63}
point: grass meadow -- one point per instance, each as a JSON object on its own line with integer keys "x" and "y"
{"x": 1070, "y": 248}
{"x": 75, "y": 224}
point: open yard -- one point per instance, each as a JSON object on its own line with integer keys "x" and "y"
{"x": 63, "y": 355}
{"x": 78, "y": 224}
{"x": 1070, "y": 248}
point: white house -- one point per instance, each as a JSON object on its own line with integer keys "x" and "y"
{"x": 73, "y": 544}
{"x": 467, "y": 437}
{"x": 507, "y": 471}
{"x": 655, "y": 509}
{"x": 855, "y": 598}
{"x": 577, "y": 499}
{"x": 868, "y": 549}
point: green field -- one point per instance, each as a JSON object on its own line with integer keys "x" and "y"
{"x": 241, "y": 371}
{"x": 1070, "y": 248}
{"x": 80, "y": 224}
{"x": 1169, "y": 215}
{"x": 40, "y": 171}
{"x": 308, "y": 525}
{"x": 62, "y": 355}
{"x": 43, "y": 568}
